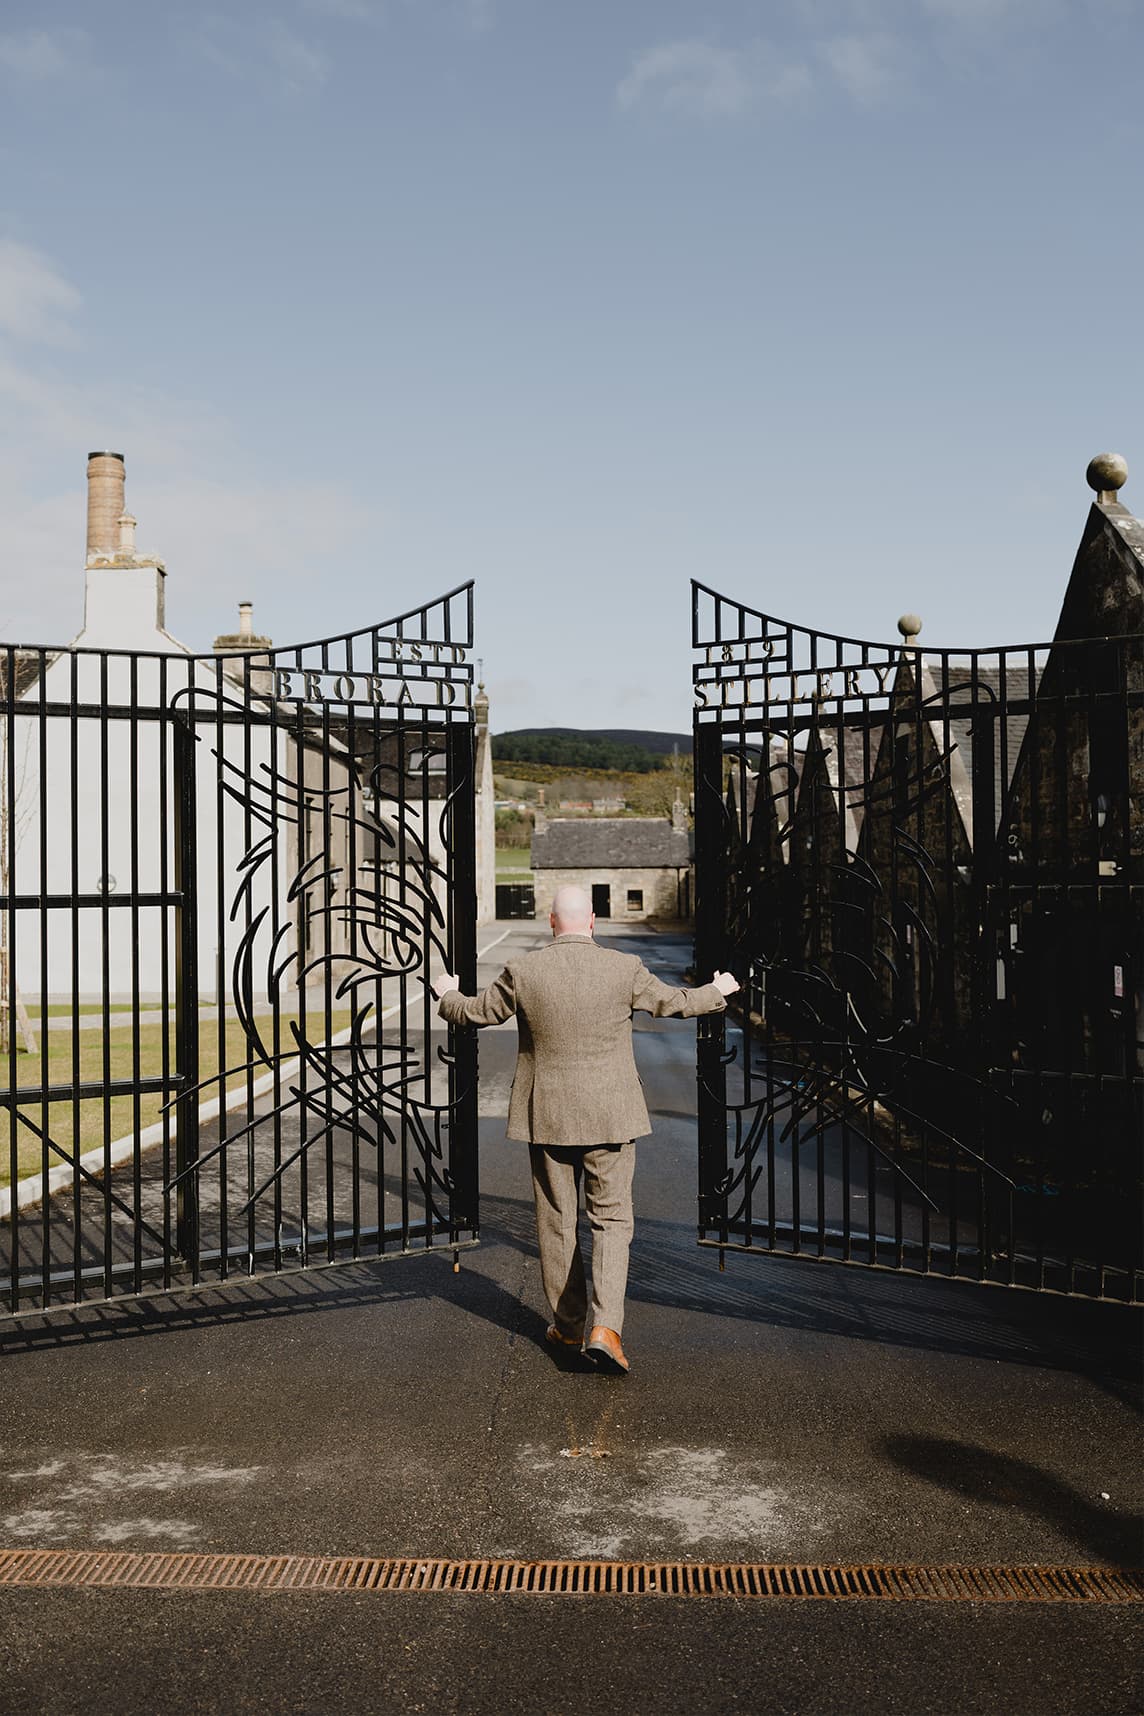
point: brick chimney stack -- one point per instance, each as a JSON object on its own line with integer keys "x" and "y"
{"x": 106, "y": 482}
{"x": 124, "y": 591}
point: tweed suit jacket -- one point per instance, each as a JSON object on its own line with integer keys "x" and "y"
{"x": 576, "y": 1080}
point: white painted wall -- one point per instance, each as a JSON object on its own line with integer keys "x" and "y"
{"x": 123, "y": 788}
{"x": 112, "y": 772}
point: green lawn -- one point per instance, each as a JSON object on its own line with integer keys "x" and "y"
{"x": 514, "y": 860}
{"x": 121, "y": 1058}
{"x": 63, "y": 1009}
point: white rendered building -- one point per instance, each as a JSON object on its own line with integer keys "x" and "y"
{"x": 95, "y": 803}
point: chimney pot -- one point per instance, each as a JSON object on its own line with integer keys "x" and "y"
{"x": 106, "y": 481}
{"x": 245, "y": 638}
{"x": 127, "y": 534}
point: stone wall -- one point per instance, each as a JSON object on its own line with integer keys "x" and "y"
{"x": 665, "y": 893}
{"x": 485, "y": 813}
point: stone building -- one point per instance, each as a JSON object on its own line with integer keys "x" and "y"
{"x": 634, "y": 867}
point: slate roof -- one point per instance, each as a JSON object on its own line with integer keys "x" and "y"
{"x": 610, "y": 843}
{"x": 28, "y": 666}
{"x": 1019, "y": 688}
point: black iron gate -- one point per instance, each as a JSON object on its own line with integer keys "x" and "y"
{"x": 225, "y": 884}
{"x": 927, "y": 870}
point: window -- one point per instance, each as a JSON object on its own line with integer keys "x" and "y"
{"x": 426, "y": 762}
{"x": 635, "y": 899}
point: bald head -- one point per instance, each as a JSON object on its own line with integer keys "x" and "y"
{"x": 571, "y": 911}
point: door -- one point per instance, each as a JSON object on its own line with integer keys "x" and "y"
{"x": 515, "y": 900}
{"x": 602, "y": 899}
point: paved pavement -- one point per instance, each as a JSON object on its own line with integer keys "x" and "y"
{"x": 781, "y": 1410}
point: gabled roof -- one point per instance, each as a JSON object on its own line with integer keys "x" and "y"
{"x": 28, "y": 666}
{"x": 1006, "y": 694}
{"x": 610, "y": 843}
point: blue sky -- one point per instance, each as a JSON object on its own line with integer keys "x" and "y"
{"x": 826, "y": 302}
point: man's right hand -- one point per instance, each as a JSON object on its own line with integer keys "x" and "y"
{"x": 725, "y": 983}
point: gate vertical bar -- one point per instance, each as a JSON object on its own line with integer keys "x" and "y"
{"x": 168, "y": 932}
{"x": 136, "y": 1006}
{"x": 710, "y": 936}
{"x": 989, "y": 881}
{"x": 45, "y": 918}
{"x": 186, "y": 993}
{"x": 8, "y": 825}
{"x": 461, "y": 842}
{"x": 104, "y": 885}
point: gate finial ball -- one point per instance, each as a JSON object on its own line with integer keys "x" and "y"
{"x": 909, "y": 625}
{"x": 1107, "y": 474}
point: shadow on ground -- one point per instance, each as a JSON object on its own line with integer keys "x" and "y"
{"x": 668, "y": 1269}
{"x": 987, "y": 1478}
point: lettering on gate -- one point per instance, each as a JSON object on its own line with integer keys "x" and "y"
{"x": 410, "y": 673}
{"x": 754, "y": 689}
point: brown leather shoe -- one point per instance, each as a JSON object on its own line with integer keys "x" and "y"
{"x": 555, "y": 1339}
{"x": 603, "y": 1346}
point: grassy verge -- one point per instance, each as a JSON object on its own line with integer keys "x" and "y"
{"x": 514, "y": 860}
{"x": 63, "y": 1009}
{"x": 117, "y": 1116}
{"x": 649, "y": 794}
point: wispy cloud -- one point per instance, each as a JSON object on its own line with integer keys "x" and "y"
{"x": 223, "y": 539}
{"x": 298, "y": 66}
{"x": 277, "y": 535}
{"x": 473, "y": 17}
{"x": 690, "y": 77}
{"x": 36, "y": 302}
{"x": 209, "y": 529}
{"x": 872, "y": 51}
{"x": 698, "y": 78}
{"x": 867, "y": 67}
{"x": 821, "y": 19}
{"x": 42, "y": 53}
{"x": 477, "y": 17}
{"x": 977, "y": 12}
{"x": 223, "y": 542}
{"x": 356, "y": 11}
{"x": 266, "y": 54}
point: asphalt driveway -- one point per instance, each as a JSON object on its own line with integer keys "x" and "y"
{"x": 779, "y": 1411}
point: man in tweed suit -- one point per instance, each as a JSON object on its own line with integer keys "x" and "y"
{"x": 578, "y": 1103}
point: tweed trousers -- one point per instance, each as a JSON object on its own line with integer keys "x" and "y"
{"x": 605, "y": 1170}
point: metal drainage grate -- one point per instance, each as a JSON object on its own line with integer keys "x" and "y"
{"x": 122, "y": 1569}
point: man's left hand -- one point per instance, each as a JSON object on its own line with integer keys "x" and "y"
{"x": 442, "y": 985}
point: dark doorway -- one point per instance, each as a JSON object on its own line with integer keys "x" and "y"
{"x": 515, "y": 900}
{"x": 601, "y": 899}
